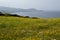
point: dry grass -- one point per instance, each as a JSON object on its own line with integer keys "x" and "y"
{"x": 17, "y": 28}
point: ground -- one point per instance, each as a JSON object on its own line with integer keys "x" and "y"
{"x": 18, "y": 28}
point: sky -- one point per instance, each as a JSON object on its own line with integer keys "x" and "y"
{"x": 38, "y": 4}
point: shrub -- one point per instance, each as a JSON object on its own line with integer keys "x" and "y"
{"x": 26, "y": 17}
{"x": 34, "y": 18}
{"x": 1, "y": 14}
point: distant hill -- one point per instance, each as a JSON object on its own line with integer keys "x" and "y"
{"x": 12, "y": 10}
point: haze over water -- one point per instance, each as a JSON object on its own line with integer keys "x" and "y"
{"x": 45, "y": 14}
{"x": 47, "y": 5}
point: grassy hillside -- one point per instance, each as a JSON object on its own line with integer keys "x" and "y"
{"x": 17, "y": 28}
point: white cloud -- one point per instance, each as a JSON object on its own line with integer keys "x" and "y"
{"x": 39, "y": 4}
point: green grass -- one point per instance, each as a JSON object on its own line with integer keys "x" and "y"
{"x": 17, "y": 28}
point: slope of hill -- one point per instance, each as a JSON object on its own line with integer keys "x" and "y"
{"x": 12, "y": 10}
{"x": 18, "y": 28}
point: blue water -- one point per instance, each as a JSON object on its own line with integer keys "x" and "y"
{"x": 45, "y": 14}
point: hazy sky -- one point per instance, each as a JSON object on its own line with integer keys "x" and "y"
{"x": 38, "y": 4}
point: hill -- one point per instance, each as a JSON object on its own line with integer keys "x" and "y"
{"x": 18, "y": 28}
{"x": 13, "y": 10}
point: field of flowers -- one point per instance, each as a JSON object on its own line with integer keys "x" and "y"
{"x": 17, "y": 28}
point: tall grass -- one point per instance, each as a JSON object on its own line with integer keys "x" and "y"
{"x": 17, "y": 28}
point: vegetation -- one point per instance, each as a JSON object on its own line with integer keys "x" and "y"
{"x": 19, "y": 28}
{"x": 7, "y": 14}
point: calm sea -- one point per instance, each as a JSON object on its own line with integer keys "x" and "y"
{"x": 45, "y": 14}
